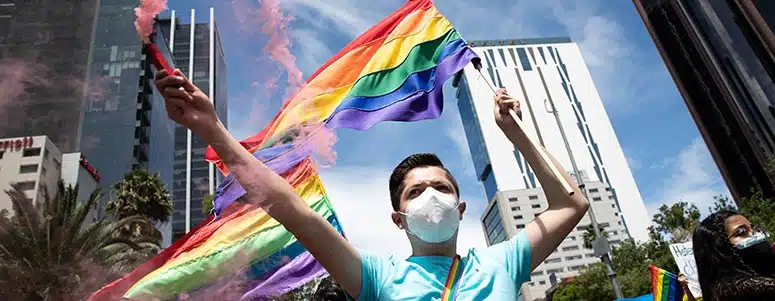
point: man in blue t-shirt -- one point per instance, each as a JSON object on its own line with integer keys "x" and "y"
{"x": 426, "y": 202}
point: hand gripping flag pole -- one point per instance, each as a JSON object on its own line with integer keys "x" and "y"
{"x": 540, "y": 149}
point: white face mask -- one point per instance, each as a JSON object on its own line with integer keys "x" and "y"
{"x": 433, "y": 216}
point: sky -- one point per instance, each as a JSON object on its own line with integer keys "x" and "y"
{"x": 665, "y": 152}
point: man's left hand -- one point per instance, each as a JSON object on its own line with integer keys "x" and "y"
{"x": 503, "y": 104}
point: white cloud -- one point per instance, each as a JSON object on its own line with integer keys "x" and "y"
{"x": 360, "y": 197}
{"x": 349, "y": 16}
{"x": 633, "y": 162}
{"x": 694, "y": 178}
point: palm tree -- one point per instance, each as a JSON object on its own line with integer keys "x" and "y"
{"x": 141, "y": 193}
{"x": 47, "y": 253}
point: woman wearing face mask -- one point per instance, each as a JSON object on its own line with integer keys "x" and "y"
{"x": 734, "y": 259}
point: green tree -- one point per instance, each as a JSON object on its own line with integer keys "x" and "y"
{"x": 48, "y": 252}
{"x": 141, "y": 193}
{"x": 207, "y": 204}
{"x": 722, "y": 203}
{"x": 676, "y": 221}
{"x": 672, "y": 223}
{"x": 589, "y": 236}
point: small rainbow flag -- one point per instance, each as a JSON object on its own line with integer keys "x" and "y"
{"x": 665, "y": 286}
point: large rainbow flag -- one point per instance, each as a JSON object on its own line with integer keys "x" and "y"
{"x": 665, "y": 286}
{"x": 393, "y": 72}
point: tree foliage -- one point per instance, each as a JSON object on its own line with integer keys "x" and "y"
{"x": 631, "y": 259}
{"x": 48, "y": 252}
{"x": 207, "y": 204}
{"x": 141, "y": 193}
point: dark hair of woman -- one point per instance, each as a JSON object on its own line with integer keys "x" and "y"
{"x": 726, "y": 273}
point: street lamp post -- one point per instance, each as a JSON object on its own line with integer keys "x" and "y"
{"x": 600, "y": 245}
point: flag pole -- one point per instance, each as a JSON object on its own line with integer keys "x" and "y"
{"x": 540, "y": 149}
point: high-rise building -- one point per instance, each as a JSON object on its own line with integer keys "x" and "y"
{"x": 199, "y": 54}
{"x": 81, "y": 78}
{"x": 721, "y": 55}
{"x": 539, "y": 72}
{"x": 125, "y": 124}
{"x": 44, "y": 51}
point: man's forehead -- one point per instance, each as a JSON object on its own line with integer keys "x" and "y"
{"x": 426, "y": 174}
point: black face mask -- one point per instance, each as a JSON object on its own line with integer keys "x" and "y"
{"x": 760, "y": 258}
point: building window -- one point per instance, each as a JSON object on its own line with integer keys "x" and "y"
{"x": 610, "y": 197}
{"x": 607, "y": 189}
{"x": 533, "y": 197}
{"x": 575, "y": 257}
{"x": 593, "y": 190}
{"x": 514, "y": 208}
{"x": 517, "y": 217}
{"x": 1, "y": 154}
{"x": 613, "y": 206}
{"x": 553, "y": 260}
{"x": 45, "y": 154}
{"x": 535, "y": 206}
{"x": 613, "y": 232}
{"x": 29, "y": 168}
{"x": 571, "y": 248}
{"x": 520, "y": 226}
{"x": 537, "y": 273}
{"x": 597, "y": 199}
{"x": 510, "y": 199}
{"x": 31, "y": 152}
{"x": 25, "y": 186}
{"x": 542, "y": 282}
{"x": 555, "y": 271}
{"x": 590, "y": 255}
{"x": 605, "y": 225}
{"x": 571, "y": 238}
{"x": 523, "y": 59}
{"x": 532, "y": 284}
{"x": 575, "y": 268}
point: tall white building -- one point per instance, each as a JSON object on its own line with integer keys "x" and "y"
{"x": 536, "y": 71}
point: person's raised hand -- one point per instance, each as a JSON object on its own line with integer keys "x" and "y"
{"x": 503, "y": 104}
{"x": 186, "y": 104}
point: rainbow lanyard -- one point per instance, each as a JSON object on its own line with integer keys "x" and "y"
{"x": 451, "y": 285}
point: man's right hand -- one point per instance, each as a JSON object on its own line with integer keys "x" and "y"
{"x": 186, "y": 104}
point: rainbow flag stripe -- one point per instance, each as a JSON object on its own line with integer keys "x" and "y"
{"x": 392, "y": 72}
{"x": 242, "y": 243}
{"x": 665, "y": 286}
{"x": 451, "y": 285}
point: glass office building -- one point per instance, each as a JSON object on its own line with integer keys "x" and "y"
{"x": 721, "y": 56}
{"x": 125, "y": 125}
{"x": 199, "y": 54}
{"x": 44, "y": 51}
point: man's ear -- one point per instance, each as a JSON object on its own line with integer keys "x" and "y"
{"x": 397, "y": 220}
{"x": 461, "y": 208}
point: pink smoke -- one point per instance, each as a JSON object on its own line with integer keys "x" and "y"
{"x": 279, "y": 46}
{"x": 145, "y": 13}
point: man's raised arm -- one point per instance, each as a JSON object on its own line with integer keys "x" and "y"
{"x": 550, "y": 228}
{"x": 192, "y": 108}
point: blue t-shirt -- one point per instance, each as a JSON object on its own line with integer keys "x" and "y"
{"x": 493, "y": 273}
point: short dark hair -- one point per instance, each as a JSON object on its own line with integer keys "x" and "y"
{"x": 414, "y": 161}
